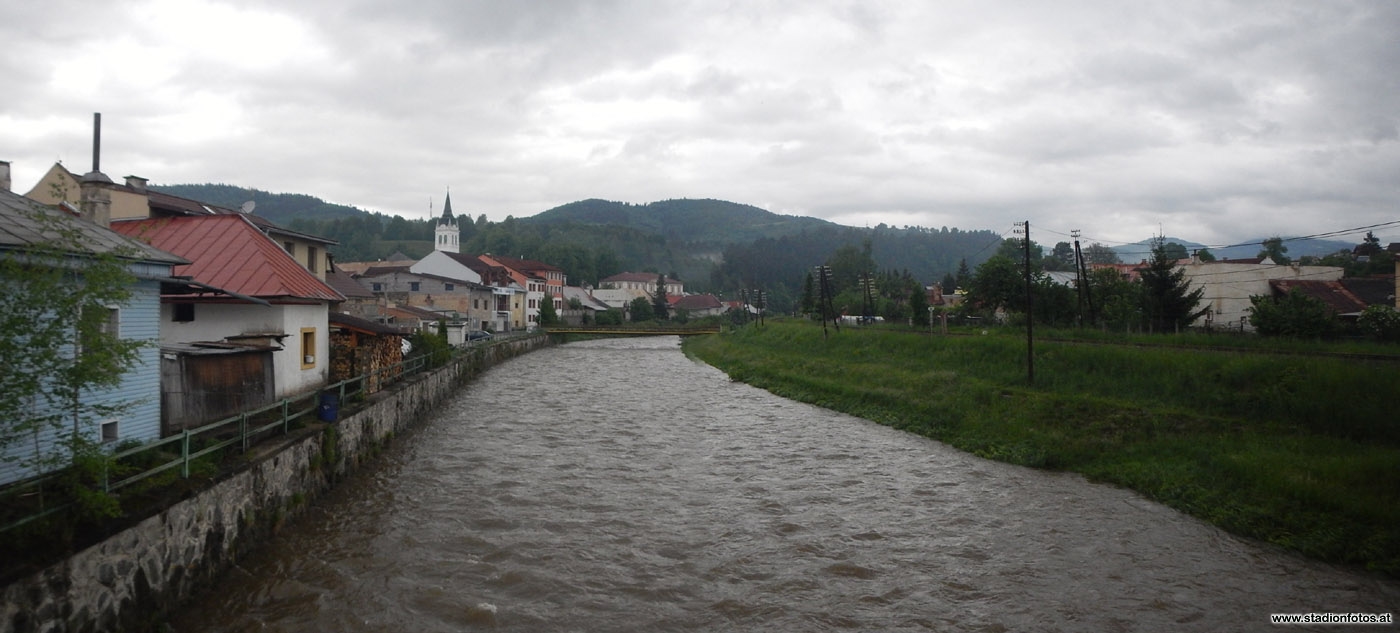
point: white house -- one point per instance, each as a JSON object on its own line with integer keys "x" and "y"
{"x": 1228, "y": 285}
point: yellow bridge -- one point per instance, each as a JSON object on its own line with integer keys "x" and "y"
{"x": 631, "y": 331}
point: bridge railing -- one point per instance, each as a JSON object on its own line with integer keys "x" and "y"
{"x": 198, "y": 450}
{"x": 632, "y": 330}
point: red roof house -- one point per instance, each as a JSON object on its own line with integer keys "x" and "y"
{"x": 258, "y": 299}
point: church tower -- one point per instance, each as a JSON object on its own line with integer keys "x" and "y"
{"x": 447, "y": 233}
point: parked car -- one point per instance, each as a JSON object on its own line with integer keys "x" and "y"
{"x": 478, "y": 335}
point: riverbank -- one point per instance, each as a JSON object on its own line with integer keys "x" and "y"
{"x": 1302, "y": 452}
{"x": 156, "y": 561}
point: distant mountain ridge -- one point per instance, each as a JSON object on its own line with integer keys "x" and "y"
{"x": 1139, "y": 251}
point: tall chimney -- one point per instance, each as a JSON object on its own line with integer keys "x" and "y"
{"x": 4, "y": 175}
{"x": 96, "y": 141}
{"x": 96, "y": 203}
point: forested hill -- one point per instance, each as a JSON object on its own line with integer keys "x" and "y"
{"x": 281, "y": 208}
{"x": 701, "y": 221}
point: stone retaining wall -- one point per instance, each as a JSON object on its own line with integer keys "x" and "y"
{"x": 133, "y": 579}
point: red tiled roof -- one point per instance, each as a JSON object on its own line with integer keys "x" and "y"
{"x": 525, "y": 265}
{"x": 229, "y": 252}
{"x": 1332, "y": 293}
{"x": 698, "y": 302}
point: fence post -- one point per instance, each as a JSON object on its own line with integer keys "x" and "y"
{"x": 185, "y": 454}
{"x": 243, "y": 430}
{"x": 284, "y": 416}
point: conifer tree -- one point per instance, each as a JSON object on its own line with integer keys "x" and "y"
{"x": 660, "y": 306}
{"x": 1169, "y": 304}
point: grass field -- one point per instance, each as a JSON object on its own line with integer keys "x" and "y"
{"x": 1295, "y": 448}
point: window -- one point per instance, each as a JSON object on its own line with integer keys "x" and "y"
{"x": 413, "y": 286}
{"x": 110, "y": 432}
{"x": 308, "y": 347}
{"x": 376, "y": 287}
{"x": 311, "y": 258}
{"x": 449, "y": 286}
{"x": 183, "y": 312}
{"x": 111, "y": 324}
{"x": 291, "y": 248}
{"x": 108, "y": 323}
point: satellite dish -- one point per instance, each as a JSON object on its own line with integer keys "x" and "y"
{"x": 248, "y": 206}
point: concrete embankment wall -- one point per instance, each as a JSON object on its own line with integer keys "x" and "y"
{"x": 131, "y": 580}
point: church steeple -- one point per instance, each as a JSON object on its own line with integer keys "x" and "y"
{"x": 447, "y": 233}
{"x": 447, "y": 212}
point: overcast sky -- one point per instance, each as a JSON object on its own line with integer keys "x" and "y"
{"x": 1215, "y": 122}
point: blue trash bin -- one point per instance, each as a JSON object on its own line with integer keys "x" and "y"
{"x": 330, "y": 408}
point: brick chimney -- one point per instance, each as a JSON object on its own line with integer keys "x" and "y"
{"x": 136, "y": 182}
{"x": 4, "y": 175}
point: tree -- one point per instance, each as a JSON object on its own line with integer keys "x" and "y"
{"x": 1274, "y": 249}
{"x": 808, "y": 304}
{"x": 964, "y": 277}
{"x": 998, "y": 283}
{"x": 1294, "y": 315}
{"x": 1061, "y": 258}
{"x": 55, "y": 305}
{"x": 1097, "y": 253}
{"x": 611, "y": 316}
{"x": 950, "y": 284}
{"x": 661, "y": 308}
{"x": 1205, "y": 255}
{"x": 548, "y": 316}
{"x": 641, "y": 310}
{"x": 847, "y": 265}
{"x": 1117, "y": 301}
{"x": 1014, "y": 249}
{"x": 918, "y": 307}
{"x": 1168, "y": 303}
{"x": 1370, "y": 245}
{"x": 1176, "y": 251}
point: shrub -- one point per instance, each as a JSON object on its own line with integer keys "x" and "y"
{"x": 1294, "y": 315}
{"x": 1380, "y": 322}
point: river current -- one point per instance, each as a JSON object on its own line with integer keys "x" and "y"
{"x": 619, "y": 486}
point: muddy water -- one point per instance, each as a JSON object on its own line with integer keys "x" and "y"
{"x": 618, "y": 486}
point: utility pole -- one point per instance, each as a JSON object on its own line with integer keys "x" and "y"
{"x": 827, "y": 310}
{"x": 867, "y": 298}
{"x": 1079, "y": 280}
{"x": 1030, "y": 305}
{"x": 1082, "y": 267}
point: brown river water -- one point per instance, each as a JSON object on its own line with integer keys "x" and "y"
{"x": 619, "y": 486}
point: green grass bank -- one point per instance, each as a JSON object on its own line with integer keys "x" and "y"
{"x": 1298, "y": 450}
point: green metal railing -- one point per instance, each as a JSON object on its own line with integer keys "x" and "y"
{"x": 242, "y": 431}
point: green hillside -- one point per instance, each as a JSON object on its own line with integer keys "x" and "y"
{"x": 703, "y": 221}
{"x": 281, "y": 208}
